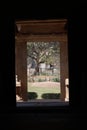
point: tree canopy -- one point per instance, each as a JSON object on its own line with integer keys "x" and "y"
{"x": 43, "y": 52}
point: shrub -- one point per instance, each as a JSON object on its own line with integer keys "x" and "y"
{"x": 32, "y": 95}
{"x": 51, "y": 95}
{"x": 43, "y": 73}
{"x": 41, "y": 80}
{"x": 56, "y": 79}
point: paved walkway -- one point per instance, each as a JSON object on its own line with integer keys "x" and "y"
{"x": 46, "y": 84}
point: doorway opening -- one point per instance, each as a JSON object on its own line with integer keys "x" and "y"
{"x": 43, "y": 70}
{"x": 41, "y": 61}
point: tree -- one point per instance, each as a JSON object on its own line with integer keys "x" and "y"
{"x": 42, "y": 52}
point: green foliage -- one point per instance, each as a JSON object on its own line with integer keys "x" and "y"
{"x": 43, "y": 51}
{"x": 51, "y": 95}
{"x": 32, "y": 95}
{"x": 41, "y": 80}
{"x": 43, "y": 73}
{"x": 56, "y": 79}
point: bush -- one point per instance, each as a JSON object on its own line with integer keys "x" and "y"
{"x": 41, "y": 80}
{"x": 51, "y": 96}
{"x": 43, "y": 73}
{"x": 32, "y": 95}
{"x": 56, "y": 80}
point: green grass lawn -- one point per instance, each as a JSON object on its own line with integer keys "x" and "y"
{"x": 39, "y": 91}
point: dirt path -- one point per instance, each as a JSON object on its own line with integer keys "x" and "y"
{"x": 46, "y": 84}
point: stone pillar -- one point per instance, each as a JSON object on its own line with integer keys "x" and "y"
{"x": 21, "y": 66}
{"x": 63, "y": 67}
{"x": 66, "y": 89}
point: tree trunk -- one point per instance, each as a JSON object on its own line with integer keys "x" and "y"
{"x": 37, "y": 66}
{"x": 37, "y": 69}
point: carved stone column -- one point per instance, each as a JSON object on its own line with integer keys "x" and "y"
{"x": 21, "y": 66}
{"x": 63, "y": 67}
{"x": 67, "y": 89}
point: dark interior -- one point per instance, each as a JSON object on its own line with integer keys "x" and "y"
{"x": 63, "y": 117}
